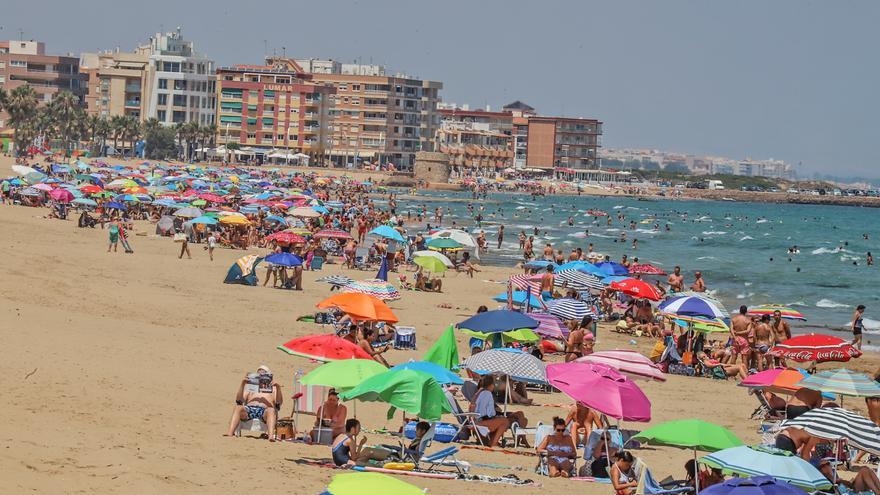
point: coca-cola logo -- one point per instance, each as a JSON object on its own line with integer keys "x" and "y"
{"x": 820, "y": 355}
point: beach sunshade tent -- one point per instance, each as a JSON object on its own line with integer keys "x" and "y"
{"x": 380, "y": 289}
{"x": 360, "y": 307}
{"x": 362, "y": 483}
{"x": 630, "y": 363}
{"x": 637, "y": 288}
{"x": 835, "y": 423}
{"x": 690, "y": 434}
{"x": 756, "y": 485}
{"x": 388, "y": 233}
{"x": 444, "y": 352}
{"x": 284, "y": 259}
{"x": 577, "y": 280}
{"x": 520, "y": 366}
{"x": 409, "y": 390}
{"x": 343, "y": 374}
{"x": 243, "y": 271}
{"x": 570, "y": 309}
{"x": 441, "y": 374}
{"x": 842, "y": 382}
{"x": 785, "y": 312}
{"x": 324, "y": 348}
{"x": 814, "y": 347}
{"x": 601, "y": 388}
{"x": 767, "y": 461}
{"x": 499, "y": 320}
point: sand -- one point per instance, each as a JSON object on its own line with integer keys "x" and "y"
{"x": 120, "y": 370}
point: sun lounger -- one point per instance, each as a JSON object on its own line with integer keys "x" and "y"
{"x": 445, "y": 457}
{"x": 405, "y": 338}
{"x": 764, "y": 411}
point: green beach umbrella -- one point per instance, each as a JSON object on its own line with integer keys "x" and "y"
{"x": 521, "y": 335}
{"x": 359, "y": 483}
{"x": 691, "y": 434}
{"x": 431, "y": 264}
{"x": 444, "y": 352}
{"x": 443, "y": 243}
{"x": 343, "y": 374}
{"x": 412, "y": 391}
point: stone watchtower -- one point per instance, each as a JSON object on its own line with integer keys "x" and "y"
{"x": 431, "y": 167}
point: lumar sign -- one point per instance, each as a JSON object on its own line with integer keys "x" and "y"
{"x": 286, "y": 88}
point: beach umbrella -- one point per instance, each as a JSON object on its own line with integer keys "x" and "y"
{"x": 115, "y": 205}
{"x": 756, "y": 485}
{"x": 539, "y": 264}
{"x": 757, "y": 461}
{"x": 234, "y": 220}
{"x": 360, "y": 307}
{"x": 343, "y": 374}
{"x": 286, "y": 237}
{"x": 443, "y": 243}
{"x": 24, "y": 170}
{"x": 90, "y": 189}
{"x": 431, "y": 264}
{"x": 360, "y": 483}
{"x": 380, "y": 289}
{"x": 569, "y": 309}
{"x": 645, "y": 269}
{"x": 690, "y": 434}
{"x": 814, "y": 347}
{"x": 30, "y": 191}
{"x": 842, "y": 382}
{"x": 444, "y": 352}
{"x": 303, "y": 212}
{"x": 388, "y": 233}
{"x": 284, "y": 259}
{"x": 61, "y": 195}
{"x": 517, "y": 365}
{"x": 637, "y": 288}
{"x": 204, "y": 220}
{"x": 434, "y": 254}
{"x": 602, "y": 388}
{"x": 456, "y": 235}
{"x": 550, "y": 326}
{"x": 784, "y": 311}
{"x": 836, "y": 423}
{"x": 612, "y": 268}
{"x": 324, "y": 348}
{"x": 441, "y": 374}
{"x": 411, "y": 391}
{"x": 577, "y": 280}
{"x": 335, "y": 280}
{"x": 85, "y": 202}
{"x": 778, "y": 380}
{"x": 499, "y": 320}
{"x": 521, "y": 335}
{"x": 199, "y": 202}
{"x": 333, "y": 234}
{"x": 631, "y": 363}
{"x": 519, "y": 298}
{"x": 188, "y": 212}
{"x": 686, "y": 306}
{"x": 581, "y": 266}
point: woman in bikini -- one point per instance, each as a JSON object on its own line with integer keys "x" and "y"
{"x": 622, "y": 477}
{"x": 560, "y": 450}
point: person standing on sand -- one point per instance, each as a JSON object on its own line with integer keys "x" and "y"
{"x": 740, "y": 330}
{"x": 699, "y": 284}
{"x": 858, "y": 325}
{"x": 114, "y": 235}
{"x": 781, "y": 333}
{"x": 184, "y": 247}
{"x": 764, "y": 340}
{"x": 500, "y": 235}
{"x": 212, "y": 243}
{"x": 675, "y": 280}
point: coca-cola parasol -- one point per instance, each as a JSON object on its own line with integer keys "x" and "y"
{"x": 815, "y": 347}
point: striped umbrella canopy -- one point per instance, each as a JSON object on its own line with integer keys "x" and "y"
{"x": 577, "y": 280}
{"x": 704, "y": 295}
{"x": 333, "y": 234}
{"x": 835, "y": 423}
{"x": 784, "y": 311}
{"x": 549, "y": 326}
{"x": 843, "y": 382}
{"x": 630, "y": 363}
{"x": 518, "y": 365}
{"x": 691, "y": 306}
{"x": 569, "y": 309}
{"x": 285, "y": 237}
{"x": 756, "y": 461}
{"x": 378, "y": 288}
{"x": 335, "y": 280}
{"x": 645, "y": 269}
{"x": 815, "y": 347}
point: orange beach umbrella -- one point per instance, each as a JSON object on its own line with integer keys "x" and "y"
{"x": 360, "y": 307}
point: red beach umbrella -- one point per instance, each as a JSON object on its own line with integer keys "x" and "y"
{"x": 324, "y": 348}
{"x": 637, "y": 288}
{"x": 815, "y": 347}
{"x": 645, "y": 269}
{"x": 285, "y": 237}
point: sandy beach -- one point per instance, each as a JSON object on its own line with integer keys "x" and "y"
{"x": 122, "y": 370}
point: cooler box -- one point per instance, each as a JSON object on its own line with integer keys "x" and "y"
{"x": 443, "y": 432}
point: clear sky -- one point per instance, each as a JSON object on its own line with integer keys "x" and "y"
{"x": 787, "y": 79}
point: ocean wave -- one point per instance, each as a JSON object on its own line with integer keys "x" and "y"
{"x": 823, "y": 250}
{"x": 744, "y": 296}
{"x": 763, "y": 220}
{"x": 706, "y": 258}
{"x": 619, "y": 207}
{"x": 828, "y": 303}
{"x": 578, "y": 235}
{"x": 871, "y": 326}
{"x": 746, "y": 238}
{"x": 747, "y": 284}
{"x": 801, "y": 304}
{"x": 714, "y": 232}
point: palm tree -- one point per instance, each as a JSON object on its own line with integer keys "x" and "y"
{"x": 21, "y": 105}
{"x": 132, "y": 131}
{"x": 67, "y": 118}
{"x": 3, "y": 96}
{"x": 151, "y": 125}
{"x": 117, "y": 129}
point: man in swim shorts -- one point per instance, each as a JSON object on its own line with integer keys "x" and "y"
{"x": 740, "y": 330}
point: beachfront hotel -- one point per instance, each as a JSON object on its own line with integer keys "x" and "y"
{"x": 26, "y": 63}
{"x": 376, "y": 118}
{"x": 164, "y": 79}
{"x": 274, "y": 112}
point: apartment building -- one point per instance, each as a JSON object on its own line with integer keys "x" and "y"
{"x": 377, "y": 118}
{"x": 26, "y": 63}
{"x": 165, "y": 79}
{"x": 277, "y": 106}
{"x": 476, "y": 139}
{"x": 561, "y": 142}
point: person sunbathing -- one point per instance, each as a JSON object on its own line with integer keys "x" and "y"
{"x": 347, "y": 450}
{"x": 257, "y": 404}
{"x": 865, "y": 480}
{"x": 331, "y": 414}
{"x": 365, "y": 342}
{"x": 560, "y": 450}
{"x": 423, "y": 283}
{"x": 737, "y": 370}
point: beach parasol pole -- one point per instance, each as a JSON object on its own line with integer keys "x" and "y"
{"x": 696, "y": 474}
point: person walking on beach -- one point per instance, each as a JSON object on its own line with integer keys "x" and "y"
{"x": 781, "y": 333}
{"x": 858, "y": 325}
{"x": 114, "y": 236}
{"x": 184, "y": 246}
{"x": 212, "y": 243}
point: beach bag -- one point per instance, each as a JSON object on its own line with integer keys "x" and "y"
{"x": 179, "y": 237}
{"x": 687, "y": 358}
{"x": 657, "y": 351}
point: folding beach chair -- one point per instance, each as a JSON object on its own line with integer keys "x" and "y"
{"x": 405, "y": 338}
{"x": 445, "y": 457}
{"x": 468, "y": 390}
{"x": 306, "y": 401}
{"x": 467, "y": 421}
{"x": 764, "y": 412}
{"x": 649, "y": 486}
{"x": 542, "y": 431}
{"x": 317, "y": 262}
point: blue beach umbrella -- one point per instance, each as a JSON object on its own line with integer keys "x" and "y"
{"x": 612, "y": 268}
{"x": 284, "y": 259}
{"x": 691, "y": 306}
{"x": 765, "y": 461}
{"x": 387, "y": 232}
{"x": 499, "y": 320}
{"x": 115, "y": 205}
{"x": 519, "y": 298}
{"x": 441, "y": 374}
{"x": 204, "y": 220}
{"x": 756, "y": 485}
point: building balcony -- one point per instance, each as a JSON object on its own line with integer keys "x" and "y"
{"x": 133, "y": 88}
{"x": 133, "y": 103}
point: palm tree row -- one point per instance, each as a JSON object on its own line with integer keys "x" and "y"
{"x": 65, "y": 120}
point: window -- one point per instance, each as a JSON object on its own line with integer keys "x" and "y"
{"x": 171, "y": 66}
{"x": 163, "y": 100}
{"x": 179, "y": 84}
{"x": 163, "y": 83}
{"x": 2, "y": 65}
{"x": 355, "y": 87}
{"x": 252, "y": 136}
{"x": 161, "y": 115}
{"x": 178, "y": 116}
{"x": 2, "y": 80}
{"x": 18, "y": 63}
{"x": 179, "y": 100}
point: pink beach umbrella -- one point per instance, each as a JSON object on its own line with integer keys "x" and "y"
{"x": 549, "y": 326}
{"x": 630, "y": 363}
{"x": 61, "y": 195}
{"x": 599, "y": 387}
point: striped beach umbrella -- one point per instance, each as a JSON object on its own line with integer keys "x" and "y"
{"x": 518, "y": 365}
{"x": 335, "y": 280}
{"x": 843, "y": 382}
{"x": 333, "y": 234}
{"x": 569, "y": 309}
{"x": 577, "y": 280}
{"x": 380, "y": 289}
{"x": 756, "y": 461}
{"x": 836, "y": 423}
{"x": 691, "y": 306}
{"x": 630, "y": 363}
{"x": 786, "y": 312}
{"x": 549, "y": 326}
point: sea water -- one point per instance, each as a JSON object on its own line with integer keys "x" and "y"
{"x": 741, "y": 248}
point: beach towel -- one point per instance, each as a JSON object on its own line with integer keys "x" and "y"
{"x": 244, "y": 270}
